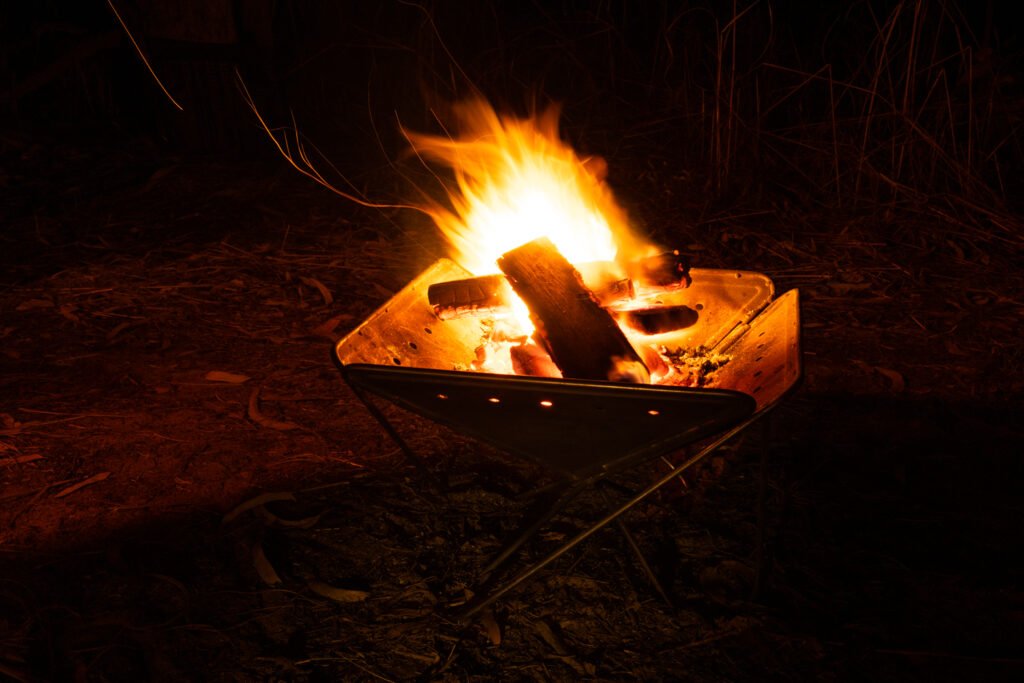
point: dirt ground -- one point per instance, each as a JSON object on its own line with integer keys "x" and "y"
{"x": 166, "y": 330}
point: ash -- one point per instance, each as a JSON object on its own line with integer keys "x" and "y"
{"x": 694, "y": 367}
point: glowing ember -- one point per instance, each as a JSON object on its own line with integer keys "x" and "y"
{"x": 515, "y": 181}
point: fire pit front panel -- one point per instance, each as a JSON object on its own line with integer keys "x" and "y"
{"x": 580, "y": 428}
{"x": 405, "y": 331}
{"x": 403, "y": 353}
{"x": 723, "y": 299}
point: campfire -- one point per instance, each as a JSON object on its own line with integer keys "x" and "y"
{"x": 578, "y": 292}
{"x": 549, "y": 279}
{"x": 560, "y": 336}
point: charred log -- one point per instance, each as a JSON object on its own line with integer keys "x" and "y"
{"x": 491, "y": 295}
{"x": 658, "y": 320}
{"x": 532, "y": 360}
{"x": 668, "y": 269}
{"x": 583, "y": 339}
{"x": 485, "y": 295}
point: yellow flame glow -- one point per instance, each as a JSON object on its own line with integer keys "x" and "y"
{"x": 515, "y": 181}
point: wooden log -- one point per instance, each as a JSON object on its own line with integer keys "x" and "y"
{"x": 611, "y": 291}
{"x": 490, "y": 295}
{"x": 485, "y": 295}
{"x": 583, "y": 339}
{"x": 668, "y": 269}
{"x": 532, "y": 360}
{"x": 658, "y": 319}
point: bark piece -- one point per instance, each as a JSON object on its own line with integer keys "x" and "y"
{"x": 583, "y": 339}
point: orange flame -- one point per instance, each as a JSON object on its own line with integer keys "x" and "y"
{"x": 515, "y": 181}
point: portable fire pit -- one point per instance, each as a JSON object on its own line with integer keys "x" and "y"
{"x": 581, "y": 430}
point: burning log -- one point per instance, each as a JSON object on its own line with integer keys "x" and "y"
{"x": 532, "y": 360}
{"x": 583, "y": 339}
{"x": 668, "y": 269}
{"x": 614, "y": 290}
{"x": 485, "y": 295}
{"x": 490, "y": 294}
{"x": 659, "y": 319}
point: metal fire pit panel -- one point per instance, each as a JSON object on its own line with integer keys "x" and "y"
{"x": 580, "y": 428}
{"x": 765, "y": 356}
{"x": 405, "y": 332}
{"x": 723, "y": 299}
{"x": 403, "y": 353}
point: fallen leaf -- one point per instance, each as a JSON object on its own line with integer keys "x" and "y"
{"x": 34, "y": 304}
{"x": 548, "y": 635}
{"x": 82, "y": 484}
{"x": 491, "y": 627}
{"x": 256, "y": 502}
{"x": 68, "y": 311}
{"x": 263, "y": 567}
{"x": 337, "y": 594}
{"x": 227, "y": 377}
{"x": 304, "y": 523}
{"x": 11, "y": 426}
{"x": 320, "y": 287}
{"x": 20, "y": 459}
{"x": 118, "y": 330}
{"x": 326, "y": 328}
{"x": 582, "y": 668}
{"x": 847, "y": 287}
{"x": 259, "y": 418}
{"x": 898, "y": 383}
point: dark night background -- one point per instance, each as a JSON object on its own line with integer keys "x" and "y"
{"x": 867, "y": 153}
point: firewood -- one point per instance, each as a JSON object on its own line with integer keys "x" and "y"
{"x": 485, "y": 295}
{"x": 659, "y": 319}
{"x": 583, "y": 339}
{"x": 614, "y": 290}
{"x": 490, "y": 295}
{"x": 668, "y": 269}
{"x": 532, "y": 360}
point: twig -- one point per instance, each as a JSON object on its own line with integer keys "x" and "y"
{"x": 82, "y": 484}
{"x": 142, "y": 56}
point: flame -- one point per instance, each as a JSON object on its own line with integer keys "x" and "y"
{"x": 515, "y": 181}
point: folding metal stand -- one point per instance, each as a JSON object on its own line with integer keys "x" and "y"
{"x": 582, "y": 431}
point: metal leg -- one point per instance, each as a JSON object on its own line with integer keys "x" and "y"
{"x": 762, "y": 503}
{"x": 478, "y": 604}
{"x": 543, "y": 509}
{"x": 644, "y": 565}
{"x": 407, "y": 450}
